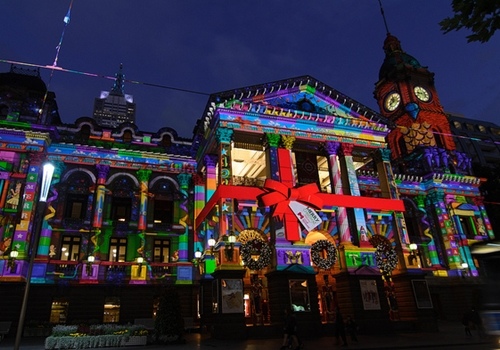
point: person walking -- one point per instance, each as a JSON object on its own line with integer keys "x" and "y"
{"x": 340, "y": 328}
{"x": 290, "y": 330}
{"x": 352, "y": 328}
{"x": 466, "y": 322}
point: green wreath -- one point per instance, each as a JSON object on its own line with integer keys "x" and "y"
{"x": 386, "y": 258}
{"x": 253, "y": 248}
{"x": 317, "y": 258}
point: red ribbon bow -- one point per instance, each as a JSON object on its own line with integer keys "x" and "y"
{"x": 280, "y": 195}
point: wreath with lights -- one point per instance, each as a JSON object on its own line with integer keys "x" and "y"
{"x": 317, "y": 258}
{"x": 253, "y": 248}
{"x": 386, "y": 258}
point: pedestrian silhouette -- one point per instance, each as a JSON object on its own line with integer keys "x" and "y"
{"x": 340, "y": 328}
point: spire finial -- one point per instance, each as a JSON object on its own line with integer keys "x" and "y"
{"x": 118, "y": 87}
{"x": 383, "y": 16}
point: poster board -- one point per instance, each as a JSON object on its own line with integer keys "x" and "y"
{"x": 369, "y": 294}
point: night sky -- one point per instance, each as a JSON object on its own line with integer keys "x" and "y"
{"x": 211, "y": 46}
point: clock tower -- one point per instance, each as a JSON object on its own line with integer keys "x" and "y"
{"x": 406, "y": 94}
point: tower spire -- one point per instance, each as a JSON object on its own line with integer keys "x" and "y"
{"x": 383, "y": 16}
{"x": 118, "y": 87}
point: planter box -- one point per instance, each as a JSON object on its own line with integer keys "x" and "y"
{"x": 134, "y": 340}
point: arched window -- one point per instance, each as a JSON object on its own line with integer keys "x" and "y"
{"x": 122, "y": 195}
{"x": 77, "y": 196}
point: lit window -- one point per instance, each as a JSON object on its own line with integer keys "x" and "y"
{"x": 117, "y": 249}
{"x": 70, "y": 248}
{"x": 111, "y": 310}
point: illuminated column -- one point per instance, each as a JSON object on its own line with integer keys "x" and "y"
{"x": 389, "y": 189}
{"x": 20, "y": 237}
{"x": 5, "y": 189}
{"x": 46, "y": 232}
{"x": 272, "y": 167}
{"x": 199, "y": 203}
{"x": 336, "y": 179}
{"x": 210, "y": 175}
{"x": 430, "y": 249}
{"x": 184, "y": 181}
{"x": 351, "y": 187}
{"x": 446, "y": 230}
{"x": 210, "y": 187}
{"x": 479, "y": 202}
{"x": 143, "y": 175}
{"x": 224, "y": 136}
{"x": 285, "y": 162}
{"x": 102, "y": 174}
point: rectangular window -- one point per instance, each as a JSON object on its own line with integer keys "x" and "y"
{"x": 76, "y": 206}
{"x": 117, "y": 249}
{"x": 467, "y": 226}
{"x": 59, "y": 311}
{"x": 163, "y": 211}
{"x": 111, "y": 310}
{"x": 161, "y": 250}
{"x": 70, "y": 248}
{"x": 120, "y": 209}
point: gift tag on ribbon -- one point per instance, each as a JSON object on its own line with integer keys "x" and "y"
{"x": 306, "y": 215}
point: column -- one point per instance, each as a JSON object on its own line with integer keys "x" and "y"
{"x": 389, "y": 189}
{"x": 102, "y": 174}
{"x": 184, "y": 182}
{"x": 445, "y": 227}
{"x": 351, "y": 187}
{"x": 336, "y": 181}
{"x": 224, "y": 136}
{"x": 272, "y": 167}
{"x": 143, "y": 175}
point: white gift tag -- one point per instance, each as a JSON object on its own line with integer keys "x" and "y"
{"x": 307, "y": 216}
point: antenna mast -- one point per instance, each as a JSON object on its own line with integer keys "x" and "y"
{"x": 383, "y": 16}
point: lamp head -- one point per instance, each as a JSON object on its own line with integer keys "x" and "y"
{"x": 197, "y": 253}
{"x": 14, "y": 254}
{"x": 211, "y": 242}
{"x": 140, "y": 260}
{"x": 91, "y": 259}
{"x": 413, "y": 246}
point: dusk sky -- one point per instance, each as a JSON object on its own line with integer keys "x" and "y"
{"x": 211, "y": 46}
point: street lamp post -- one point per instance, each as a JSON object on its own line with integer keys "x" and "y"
{"x": 48, "y": 171}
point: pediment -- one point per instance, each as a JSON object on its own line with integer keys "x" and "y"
{"x": 304, "y": 96}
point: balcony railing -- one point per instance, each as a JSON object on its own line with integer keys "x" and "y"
{"x": 108, "y": 271}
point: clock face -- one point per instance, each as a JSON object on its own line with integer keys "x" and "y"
{"x": 392, "y": 101}
{"x": 421, "y": 93}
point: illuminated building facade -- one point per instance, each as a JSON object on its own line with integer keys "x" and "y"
{"x": 289, "y": 195}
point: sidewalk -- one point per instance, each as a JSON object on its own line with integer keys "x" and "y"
{"x": 450, "y": 334}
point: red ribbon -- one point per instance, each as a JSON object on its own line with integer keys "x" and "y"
{"x": 280, "y": 196}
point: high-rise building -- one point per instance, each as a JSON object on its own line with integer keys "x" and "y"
{"x": 114, "y": 107}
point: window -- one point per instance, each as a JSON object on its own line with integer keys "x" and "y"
{"x": 458, "y": 125}
{"x": 111, "y": 310}
{"x": 467, "y": 226}
{"x": 117, "y": 249}
{"x": 127, "y": 136}
{"x": 59, "y": 311}
{"x": 161, "y": 206}
{"x": 163, "y": 210}
{"x": 77, "y": 195}
{"x": 121, "y": 202}
{"x": 161, "y": 249}
{"x": 76, "y": 206}
{"x": 121, "y": 209}
{"x": 70, "y": 249}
